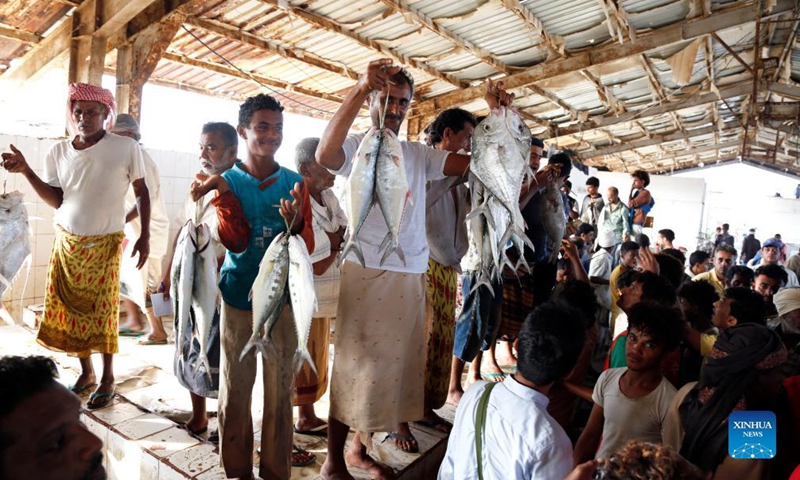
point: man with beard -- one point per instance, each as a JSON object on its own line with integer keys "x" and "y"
{"x": 768, "y": 280}
{"x": 615, "y": 217}
{"x": 770, "y": 255}
{"x": 378, "y": 373}
{"x": 40, "y": 427}
{"x": 724, "y": 256}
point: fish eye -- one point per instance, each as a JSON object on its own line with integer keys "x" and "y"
{"x": 486, "y": 127}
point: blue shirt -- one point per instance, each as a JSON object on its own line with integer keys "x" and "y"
{"x": 239, "y": 270}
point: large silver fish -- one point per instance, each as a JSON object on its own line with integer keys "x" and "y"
{"x": 182, "y": 275}
{"x": 205, "y": 293}
{"x": 360, "y": 190}
{"x": 551, "y": 214}
{"x": 15, "y": 234}
{"x": 391, "y": 190}
{"x": 303, "y": 296}
{"x": 269, "y": 293}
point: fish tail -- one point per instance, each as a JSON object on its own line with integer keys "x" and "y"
{"x": 301, "y": 356}
{"x": 202, "y": 362}
{"x": 253, "y": 342}
{"x": 354, "y": 245}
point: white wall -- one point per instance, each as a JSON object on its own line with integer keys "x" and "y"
{"x": 176, "y": 171}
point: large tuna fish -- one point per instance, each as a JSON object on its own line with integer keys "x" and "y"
{"x": 182, "y": 276}
{"x": 205, "y": 293}
{"x": 303, "y": 296}
{"x": 391, "y": 190}
{"x": 269, "y": 292}
{"x": 551, "y": 214}
{"x": 15, "y": 243}
{"x": 360, "y": 190}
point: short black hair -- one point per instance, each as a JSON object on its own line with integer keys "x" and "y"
{"x": 668, "y": 234}
{"x": 725, "y": 226}
{"x": 568, "y": 184}
{"x": 700, "y": 294}
{"x": 550, "y": 341}
{"x": 22, "y": 377}
{"x": 627, "y": 278}
{"x": 578, "y": 241}
{"x": 643, "y": 176}
{"x": 255, "y": 103}
{"x": 662, "y": 323}
{"x": 774, "y": 271}
{"x": 676, "y": 254}
{"x": 537, "y": 142}
{"x": 225, "y": 129}
{"x": 562, "y": 264}
{"x": 657, "y": 288}
{"x": 593, "y": 181}
{"x": 671, "y": 269}
{"x": 698, "y": 256}
{"x": 627, "y": 247}
{"x": 642, "y": 239}
{"x": 563, "y": 160}
{"x": 580, "y": 295}
{"x": 585, "y": 228}
{"x": 725, "y": 248}
{"x": 747, "y": 272}
{"x": 746, "y": 305}
{"x": 452, "y": 118}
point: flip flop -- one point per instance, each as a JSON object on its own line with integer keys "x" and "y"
{"x": 320, "y": 431}
{"x": 148, "y": 341}
{"x": 199, "y": 431}
{"x": 493, "y": 377}
{"x": 105, "y": 399}
{"x": 77, "y": 390}
{"x": 435, "y": 424}
{"x": 406, "y": 438}
{"x": 129, "y": 332}
{"x": 300, "y": 451}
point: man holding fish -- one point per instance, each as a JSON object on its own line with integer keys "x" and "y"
{"x": 377, "y": 380}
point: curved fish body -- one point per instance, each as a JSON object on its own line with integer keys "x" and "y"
{"x": 205, "y": 293}
{"x": 269, "y": 293}
{"x": 182, "y": 275}
{"x": 303, "y": 297}
{"x": 361, "y": 190}
{"x": 391, "y": 190}
{"x": 551, "y": 214}
{"x": 522, "y": 136}
{"x": 15, "y": 237}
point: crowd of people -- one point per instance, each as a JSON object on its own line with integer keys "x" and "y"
{"x": 620, "y": 360}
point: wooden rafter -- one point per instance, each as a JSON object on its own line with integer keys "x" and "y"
{"x": 660, "y": 37}
{"x": 659, "y": 94}
{"x": 656, "y": 140}
{"x": 698, "y": 150}
{"x": 732, "y": 52}
{"x": 293, "y": 53}
{"x": 554, "y": 43}
{"x": 19, "y": 35}
{"x": 329, "y": 25}
{"x": 617, "y": 20}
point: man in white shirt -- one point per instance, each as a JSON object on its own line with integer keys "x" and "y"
{"x": 520, "y": 440}
{"x": 770, "y": 255}
{"x": 378, "y": 374}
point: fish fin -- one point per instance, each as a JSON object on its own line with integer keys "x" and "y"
{"x": 354, "y": 245}
{"x": 386, "y": 240}
{"x": 300, "y": 357}
{"x": 482, "y": 210}
{"x": 253, "y": 342}
{"x": 522, "y": 263}
{"x": 482, "y": 280}
{"x": 202, "y": 362}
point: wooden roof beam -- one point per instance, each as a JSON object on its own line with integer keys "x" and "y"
{"x": 252, "y": 40}
{"x": 655, "y": 140}
{"x": 681, "y": 31}
{"x": 19, "y": 35}
{"x": 732, "y": 52}
{"x": 696, "y": 150}
{"x": 554, "y": 43}
{"x": 329, "y": 25}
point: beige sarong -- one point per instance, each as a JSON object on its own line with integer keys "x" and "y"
{"x": 378, "y": 368}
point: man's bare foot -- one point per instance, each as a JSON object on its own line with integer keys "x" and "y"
{"x": 307, "y": 419}
{"x": 196, "y": 425}
{"x": 454, "y": 396}
{"x": 363, "y": 461}
{"x": 331, "y": 472}
{"x": 403, "y": 439}
{"x": 434, "y": 421}
{"x": 494, "y": 373}
{"x": 505, "y": 353}
{"x": 85, "y": 380}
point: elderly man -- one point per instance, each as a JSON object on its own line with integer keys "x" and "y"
{"x": 136, "y": 284}
{"x": 770, "y": 255}
{"x": 378, "y": 372}
{"x": 615, "y": 217}
{"x": 85, "y": 180}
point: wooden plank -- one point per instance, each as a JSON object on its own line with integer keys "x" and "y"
{"x": 784, "y": 90}
{"x": 656, "y": 140}
{"x": 553, "y": 43}
{"x": 116, "y": 13}
{"x": 40, "y": 56}
{"x": 19, "y": 35}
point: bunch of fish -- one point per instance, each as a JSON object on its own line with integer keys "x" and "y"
{"x": 15, "y": 243}
{"x": 285, "y": 274}
{"x": 501, "y": 147}
{"x": 194, "y": 288}
{"x": 378, "y": 175}
{"x": 551, "y": 214}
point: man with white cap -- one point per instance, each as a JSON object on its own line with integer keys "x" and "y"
{"x": 136, "y": 284}
{"x": 770, "y": 255}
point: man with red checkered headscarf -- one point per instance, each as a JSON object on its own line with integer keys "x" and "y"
{"x": 85, "y": 179}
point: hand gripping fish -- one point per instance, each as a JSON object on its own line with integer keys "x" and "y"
{"x": 15, "y": 244}
{"x": 304, "y": 298}
{"x": 269, "y": 293}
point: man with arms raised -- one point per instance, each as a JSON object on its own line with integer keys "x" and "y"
{"x": 377, "y": 379}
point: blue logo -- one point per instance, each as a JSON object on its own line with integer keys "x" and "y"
{"x": 751, "y": 435}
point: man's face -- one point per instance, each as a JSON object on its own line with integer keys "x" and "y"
{"x": 459, "y": 141}
{"x": 399, "y": 101}
{"x": 89, "y": 117}
{"x": 630, "y": 296}
{"x": 565, "y": 189}
{"x": 766, "y": 287}
{"x": 612, "y": 195}
{"x": 701, "y": 267}
{"x": 317, "y": 176}
{"x": 629, "y": 258}
{"x": 588, "y": 238}
{"x": 264, "y": 135}
{"x": 641, "y": 352}
{"x": 791, "y": 322}
{"x": 739, "y": 280}
{"x": 769, "y": 255}
{"x": 591, "y": 190}
{"x": 722, "y": 312}
{"x": 48, "y": 442}
{"x": 722, "y": 263}
{"x": 536, "y": 157}
{"x": 215, "y": 157}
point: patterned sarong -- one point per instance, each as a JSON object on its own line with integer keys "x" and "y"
{"x": 441, "y": 289}
{"x": 81, "y": 303}
{"x": 517, "y": 304}
{"x": 310, "y": 387}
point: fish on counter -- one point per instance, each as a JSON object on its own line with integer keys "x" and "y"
{"x": 15, "y": 237}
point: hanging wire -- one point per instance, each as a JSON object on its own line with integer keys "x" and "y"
{"x": 250, "y": 76}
